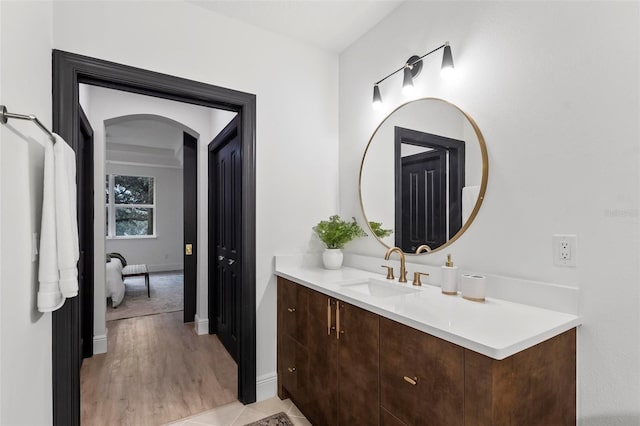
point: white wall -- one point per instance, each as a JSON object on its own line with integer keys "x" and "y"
{"x": 164, "y": 252}
{"x": 25, "y": 334}
{"x": 297, "y": 120}
{"x": 554, "y": 87}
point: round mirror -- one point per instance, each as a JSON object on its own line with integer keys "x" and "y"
{"x": 423, "y": 176}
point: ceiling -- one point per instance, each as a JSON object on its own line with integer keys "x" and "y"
{"x": 331, "y": 25}
{"x": 151, "y": 142}
{"x": 145, "y": 132}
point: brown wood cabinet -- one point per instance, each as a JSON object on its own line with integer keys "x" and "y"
{"x": 327, "y": 357}
{"x": 343, "y": 365}
{"x": 421, "y": 376}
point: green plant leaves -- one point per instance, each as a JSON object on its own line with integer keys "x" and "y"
{"x": 335, "y": 232}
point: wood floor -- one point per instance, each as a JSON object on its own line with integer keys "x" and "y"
{"x": 157, "y": 370}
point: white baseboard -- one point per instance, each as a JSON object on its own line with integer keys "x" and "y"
{"x": 100, "y": 344}
{"x": 165, "y": 267}
{"x": 201, "y": 326}
{"x": 266, "y": 386}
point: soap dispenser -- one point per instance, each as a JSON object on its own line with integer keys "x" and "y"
{"x": 449, "y": 277}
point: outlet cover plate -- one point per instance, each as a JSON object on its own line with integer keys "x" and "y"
{"x": 565, "y": 249}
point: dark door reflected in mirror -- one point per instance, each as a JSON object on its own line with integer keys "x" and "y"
{"x": 429, "y": 175}
{"x": 423, "y": 175}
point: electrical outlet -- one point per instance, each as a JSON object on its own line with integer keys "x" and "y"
{"x": 565, "y": 250}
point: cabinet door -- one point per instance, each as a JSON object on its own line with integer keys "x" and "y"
{"x": 358, "y": 365}
{"x": 321, "y": 407}
{"x": 421, "y": 376}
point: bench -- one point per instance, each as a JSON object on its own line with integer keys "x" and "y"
{"x": 133, "y": 270}
{"x": 136, "y": 271}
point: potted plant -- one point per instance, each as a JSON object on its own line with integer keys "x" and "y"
{"x": 335, "y": 233}
{"x": 378, "y": 230}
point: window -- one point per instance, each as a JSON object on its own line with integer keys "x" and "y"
{"x": 131, "y": 203}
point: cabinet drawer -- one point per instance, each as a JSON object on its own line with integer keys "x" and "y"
{"x": 421, "y": 376}
{"x": 292, "y": 366}
{"x": 292, "y": 310}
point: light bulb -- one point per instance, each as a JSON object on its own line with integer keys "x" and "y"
{"x": 447, "y": 69}
{"x": 407, "y": 82}
{"x": 377, "y": 99}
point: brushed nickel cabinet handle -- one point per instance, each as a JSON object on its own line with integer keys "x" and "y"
{"x": 292, "y": 310}
{"x": 338, "y": 320}
{"x": 291, "y": 369}
{"x": 411, "y": 381}
{"x": 328, "y": 317}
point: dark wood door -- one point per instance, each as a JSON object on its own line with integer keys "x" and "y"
{"x": 84, "y": 173}
{"x": 424, "y": 200}
{"x": 421, "y": 377}
{"x": 226, "y": 224}
{"x": 190, "y": 212}
{"x": 358, "y": 366}
{"x": 321, "y": 406}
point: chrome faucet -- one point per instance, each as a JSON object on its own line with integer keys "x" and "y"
{"x": 403, "y": 269}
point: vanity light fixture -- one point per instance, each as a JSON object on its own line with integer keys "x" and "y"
{"x": 411, "y": 69}
{"x": 377, "y": 99}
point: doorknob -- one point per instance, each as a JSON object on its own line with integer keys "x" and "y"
{"x": 188, "y": 249}
{"x": 220, "y": 258}
{"x": 231, "y": 261}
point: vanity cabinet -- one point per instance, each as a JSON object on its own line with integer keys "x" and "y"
{"x": 421, "y": 377}
{"x": 327, "y": 357}
{"x": 343, "y": 365}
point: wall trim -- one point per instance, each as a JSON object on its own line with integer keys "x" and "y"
{"x": 166, "y": 267}
{"x": 266, "y": 386}
{"x": 201, "y": 326}
{"x": 100, "y": 344}
{"x": 132, "y": 163}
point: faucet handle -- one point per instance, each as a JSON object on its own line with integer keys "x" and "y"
{"x": 389, "y": 272}
{"x": 416, "y": 278}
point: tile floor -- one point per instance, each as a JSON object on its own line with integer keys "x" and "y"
{"x": 238, "y": 414}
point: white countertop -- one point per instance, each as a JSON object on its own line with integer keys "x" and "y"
{"x": 495, "y": 328}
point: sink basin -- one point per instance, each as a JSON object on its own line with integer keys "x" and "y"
{"x": 378, "y": 288}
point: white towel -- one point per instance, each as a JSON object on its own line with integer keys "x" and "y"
{"x": 59, "y": 250}
{"x": 470, "y": 195}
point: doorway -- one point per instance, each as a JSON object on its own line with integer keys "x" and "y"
{"x": 68, "y": 71}
{"x": 429, "y": 177}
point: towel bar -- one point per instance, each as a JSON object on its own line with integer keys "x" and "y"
{"x": 5, "y": 115}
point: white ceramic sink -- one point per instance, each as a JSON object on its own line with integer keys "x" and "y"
{"x": 378, "y": 288}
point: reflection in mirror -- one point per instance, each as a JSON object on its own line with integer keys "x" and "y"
{"x": 423, "y": 175}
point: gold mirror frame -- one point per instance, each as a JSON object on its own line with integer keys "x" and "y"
{"x": 483, "y": 182}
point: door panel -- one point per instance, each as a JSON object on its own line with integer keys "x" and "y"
{"x": 321, "y": 406}
{"x": 225, "y": 221}
{"x": 84, "y": 175}
{"x": 190, "y": 212}
{"x": 358, "y": 364}
{"x": 424, "y": 203}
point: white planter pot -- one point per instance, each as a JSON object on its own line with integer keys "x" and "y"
{"x": 332, "y": 258}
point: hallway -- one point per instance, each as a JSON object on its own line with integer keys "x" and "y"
{"x": 157, "y": 370}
